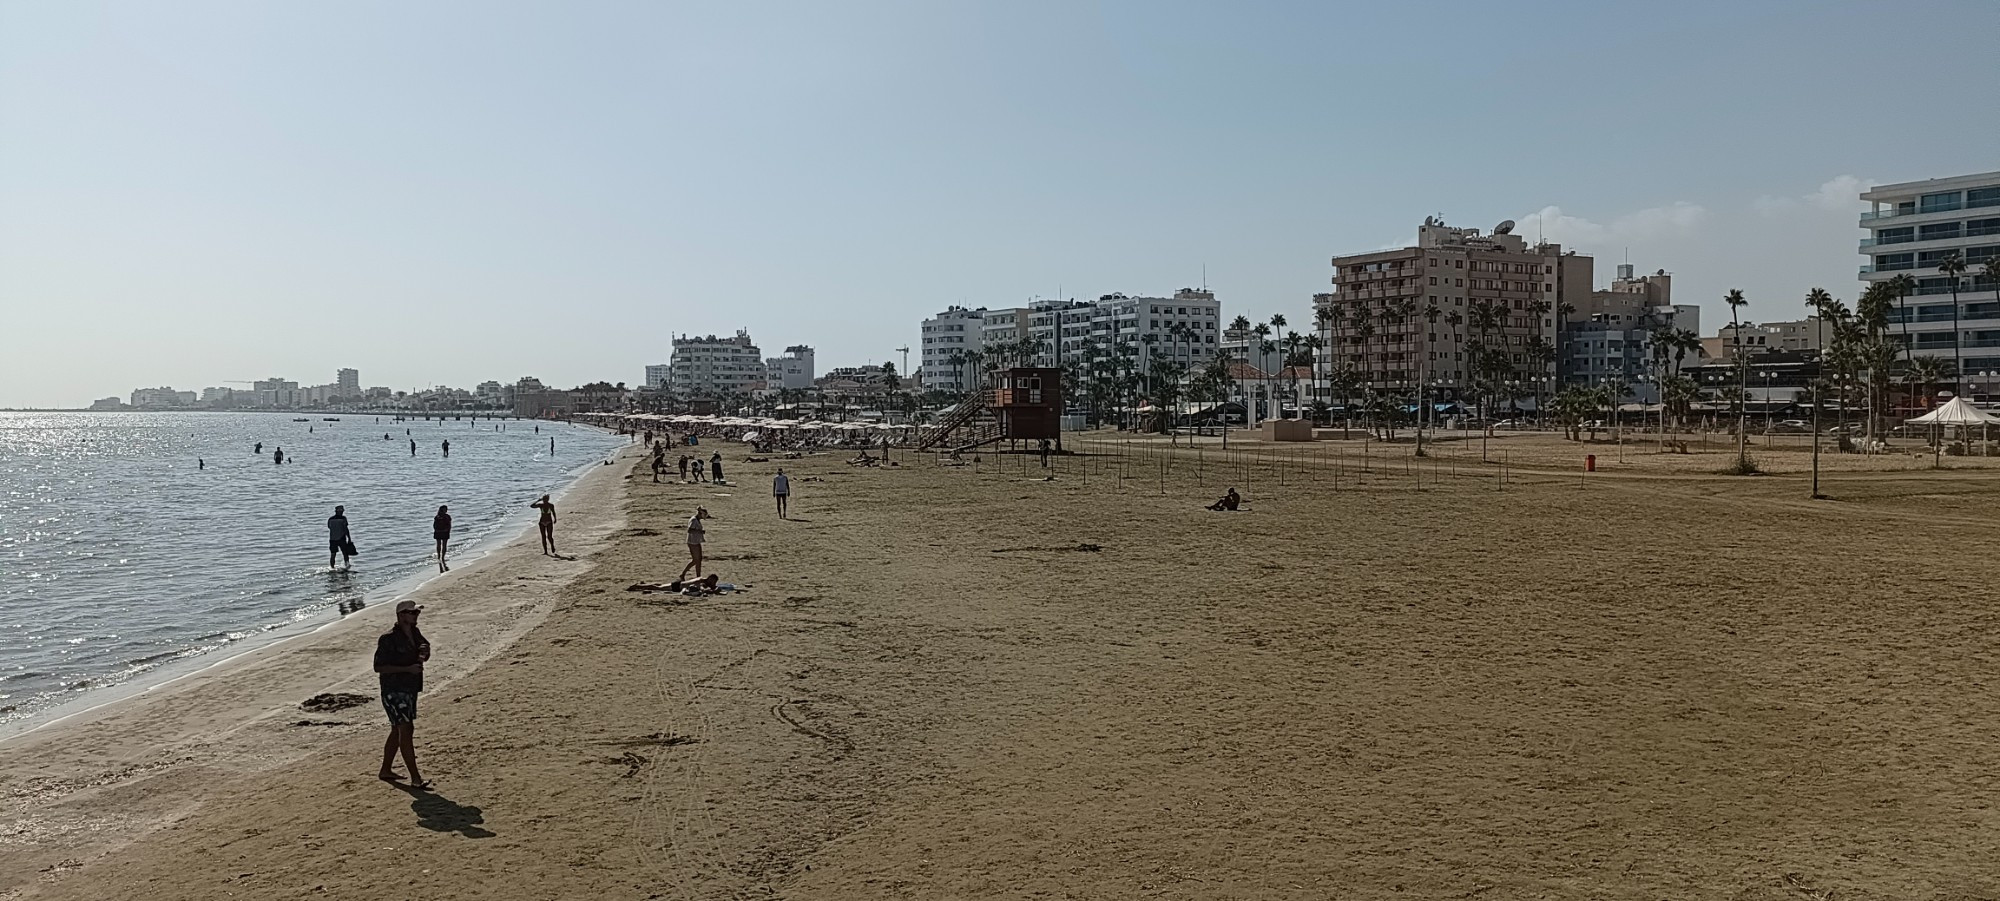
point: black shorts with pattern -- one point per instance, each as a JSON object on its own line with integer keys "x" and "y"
{"x": 401, "y": 706}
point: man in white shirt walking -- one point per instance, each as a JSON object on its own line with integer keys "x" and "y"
{"x": 781, "y": 488}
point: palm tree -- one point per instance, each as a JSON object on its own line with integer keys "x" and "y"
{"x": 1323, "y": 320}
{"x": 1871, "y": 312}
{"x": 1258, "y": 348}
{"x": 1953, "y": 266}
{"x": 1735, "y": 301}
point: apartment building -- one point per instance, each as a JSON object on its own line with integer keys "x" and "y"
{"x": 347, "y": 382}
{"x": 1403, "y": 318}
{"x": 793, "y": 369}
{"x": 1610, "y": 335}
{"x": 1913, "y": 228}
{"x": 1002, "y": 327}
{"x": 659, "y": 374}
{"x": 947, "y": 337}
{"x": 709, "y": 366}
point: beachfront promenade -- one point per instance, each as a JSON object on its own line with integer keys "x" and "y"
{"x": 968, "y": 682}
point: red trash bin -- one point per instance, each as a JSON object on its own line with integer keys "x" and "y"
{"x": 1589, "y": 462}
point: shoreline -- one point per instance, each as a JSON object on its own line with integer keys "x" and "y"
{"x": 61, "y": 778}
{"x": 264, "y": 638}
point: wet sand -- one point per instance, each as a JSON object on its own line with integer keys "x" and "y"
{"x": 949, "y": 683}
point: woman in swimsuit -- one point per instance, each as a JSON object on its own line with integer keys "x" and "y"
{"x": 548, "y": 524}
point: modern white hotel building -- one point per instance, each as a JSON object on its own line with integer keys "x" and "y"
{"x": 1912, "y": 227}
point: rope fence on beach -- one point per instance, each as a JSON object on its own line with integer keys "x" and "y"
{"x": 1124, "y": 462}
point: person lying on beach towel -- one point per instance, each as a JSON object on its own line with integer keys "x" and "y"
{"x": 706, "y": 585}
{"x": 1227, "y": 502}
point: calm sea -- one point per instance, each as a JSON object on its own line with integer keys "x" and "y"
{"x": 120, "y": 557}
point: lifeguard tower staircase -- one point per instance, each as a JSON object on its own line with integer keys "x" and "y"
{"x": 1019, "y": 404}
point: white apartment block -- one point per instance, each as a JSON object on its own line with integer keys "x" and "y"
{"x": 659, "y": 374}
{"x": 793, "y": 370}
{"x": 1185, "y": 328}
{"x": 1382, "y": 328}
{"x": 947, "y": 338}
{"x": 347, "y": 382}
{"x": 712, "y": 367}
{"x": 1001, "y": 327}
{"x": 161, "y": 398}
{"x": 1912, "y": 228}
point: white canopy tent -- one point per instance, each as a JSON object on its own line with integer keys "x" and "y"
{"x": 1956, "y": 411}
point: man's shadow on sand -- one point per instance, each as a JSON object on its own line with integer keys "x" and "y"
{"x": 441, "y": 814}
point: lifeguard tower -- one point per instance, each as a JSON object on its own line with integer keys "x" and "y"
{"x": 1024, "y": 403}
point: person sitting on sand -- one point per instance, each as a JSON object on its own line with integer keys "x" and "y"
{"x": 1230, "y": 501}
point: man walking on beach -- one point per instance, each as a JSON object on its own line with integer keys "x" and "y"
{"x": 696, "y": 533}
{"x": 684, "y": 467}
{"x": 338, "y": 541}
{"x": 400, "y": 655}
{"x": 781, "y": 488}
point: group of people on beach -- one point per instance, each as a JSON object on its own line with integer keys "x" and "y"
{"x": 710, "y": 471}
{"x": 340, "y": 536}
{"x": 400, "y": 653}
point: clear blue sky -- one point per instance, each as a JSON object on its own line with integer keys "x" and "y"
{"x": 444, "y": 192}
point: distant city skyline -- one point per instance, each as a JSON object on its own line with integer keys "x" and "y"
{"x": 445, "y": 193}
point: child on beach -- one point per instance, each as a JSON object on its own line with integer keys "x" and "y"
{"x": 696, "y": 464}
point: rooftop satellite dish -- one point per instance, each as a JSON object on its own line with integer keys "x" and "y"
{"x": 1506, "y": 227}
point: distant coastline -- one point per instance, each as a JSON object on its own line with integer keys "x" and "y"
{"x": 455, "y": 414}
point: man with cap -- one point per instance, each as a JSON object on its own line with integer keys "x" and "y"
{"x": 400, "y": 655}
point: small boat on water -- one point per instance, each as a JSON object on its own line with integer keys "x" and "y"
{"x": 302, "y": 419}
{"x": 329, "y": 419}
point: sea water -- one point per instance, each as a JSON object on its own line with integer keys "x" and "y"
{"x": 122, "y": 556}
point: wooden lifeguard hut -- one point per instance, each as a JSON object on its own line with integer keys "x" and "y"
{"x": 1024, "y": 403}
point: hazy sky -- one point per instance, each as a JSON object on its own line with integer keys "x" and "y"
{"x": 444, "y": 192}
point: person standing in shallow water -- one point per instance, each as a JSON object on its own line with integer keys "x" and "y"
{"x": 447, "y": 449}
{"x": 441, "y": 533}
{"x": 547, "y": 525}
{"x": 400, "y": 655}
{"x": 339, "y": 542}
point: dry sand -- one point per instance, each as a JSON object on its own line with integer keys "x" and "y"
{"x": 949, "y": 683}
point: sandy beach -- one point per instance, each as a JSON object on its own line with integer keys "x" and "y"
{"x": 1390, "y": 678}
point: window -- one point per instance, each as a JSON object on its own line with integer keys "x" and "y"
{"x": 1930, "y": 258}
{"x": 1977, "y": 227}
{"x": 1459, "y": 263}
{"x": 1981, "y": 197}
{"x": 1938, "y": 203}
{"x": 1902, "y": 235}
{"x": 1460, "y": 283}
{"x": 1888, "y": 262}
{"x": 1434, "y": 280}
{"x": 1939, "y": 231}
